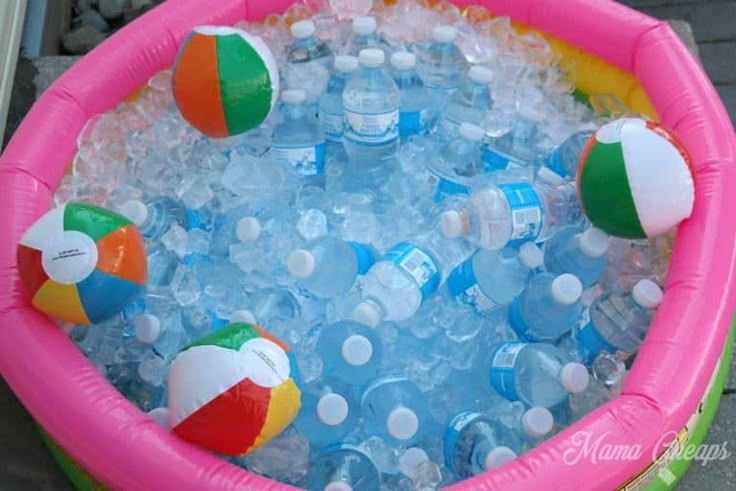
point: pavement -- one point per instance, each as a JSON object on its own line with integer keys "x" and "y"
{"x": 709, "y": 28}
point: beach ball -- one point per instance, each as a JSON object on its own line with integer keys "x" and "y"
{"x": 233, "y": 390}
{"x": 635, "y": 179}
{"x": 82, "y": 263}
{"x": 225, "y": 81}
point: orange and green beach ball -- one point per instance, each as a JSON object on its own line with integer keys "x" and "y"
{"x": 225, "y": 81}
{"x": 233, "y": 390}
{"x": 81, "y": 263}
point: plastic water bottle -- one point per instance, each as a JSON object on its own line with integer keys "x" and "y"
{"x": 618, "y": 321}
{"x": 580, "y": 253}
{"x": 328, "y": 266}
{"x": 350, "y": 352}
{"x": 493, "y": 278}
{"x": 408, "y": 274}
{"x": 371, "y": 103}
{"x": 525, "y": 134}
{"x": 458, "y": 163}
{"x": 306, "y": 46}
{"x": 474, "y": 443}
{"x": 330, "y": 102}
{"x": 537, "y": 374}
{"x": 414, "y": 100}
{"x": 343, "y": 468}
{"x": 496, "y": 216}
{"x": 443, "y": 66}
{"x": 329, "y": 412}
{"x": 469, "y": 104}
{"x": 395, "y": 409}
{"x": 298, "y": 140}
{"x": 366, "y": 37}
{"x": 564, "y": 158}
{"x": 536, "y": 423}
{"x": 154, "y": 217}
{"x": 548, "y": 307}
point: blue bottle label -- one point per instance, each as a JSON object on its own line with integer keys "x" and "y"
{"x": 502, "y": 369}
{"x": 365, "y": 255}
{"x": 372, "y": 129}
{"x": 417, "y": 264}
{"x": 526, "y": 211}
{"x": 332, "y": 124}
{"x": 452, "y": 434}
{"x": 516, "y": 321}
{"x": 309, "y": 161}
{"x": 446, "y": 188}
{"x": 591, "y": 341}
{"x": 462, "y": 285}
{"x": 493, "y": 160}
{"x": 553, "y": 162}
{"x": 411, "y": 123}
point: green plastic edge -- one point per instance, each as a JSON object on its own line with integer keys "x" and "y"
{"x": 79, "y": 477}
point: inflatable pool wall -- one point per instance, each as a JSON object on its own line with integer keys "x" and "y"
{"x": 672, "y": 388}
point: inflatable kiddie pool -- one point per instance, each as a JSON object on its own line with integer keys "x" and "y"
{"x": 669, "y": 397}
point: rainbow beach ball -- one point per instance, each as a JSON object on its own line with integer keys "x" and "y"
{"x": 82, "y": 263}
{"x": 635, "y": 179}
{"x": 225, "y": 81}
{"x": 233, "y": 390}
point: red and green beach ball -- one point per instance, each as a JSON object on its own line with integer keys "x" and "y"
{"x": 225, "y": 81}
{"x": 233, "y": 390}
{"x": 635, "y": 179}
{"x": 81, "y": 263}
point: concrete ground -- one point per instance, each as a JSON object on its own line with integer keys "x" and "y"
{"x": 25, "y": 464}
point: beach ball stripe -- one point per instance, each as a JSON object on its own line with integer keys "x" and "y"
{"x": 104, "y": 267}
{"x": 225, "y": 81}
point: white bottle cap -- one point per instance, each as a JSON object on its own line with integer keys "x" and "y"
{"x": 451, "y": 224}
{"x": 444, "y": 34}
{"x": 364, "y": 25}
{"x": 471, "y": 132}
{"x": 300, "y": 263}
{"x": 480, "y": 75}
{"x": 593, "y": 242}
{"x": 530, "y": 255}
{"x": 332, "y": 409}
{"x": 531, "y": 114}
{"x": 498, "y": 457}
{"x": 403, "y": 60}
{"x": 574, "y": 377}
{"x": 367, "y": 313}
{"x": 410, "y": 460}
{"x": 302, "y": 29}
{"x": 371, "y": 58}
{"x": 135, "y": 210}
{"x": 147, "y": 328}
{"x": 248, "y": 229}
{"x": 647, "y": 294}
{"x": 357, "y": 350}
{"x": 295, "y": 96}
{"x": 338, "y": 486}
{"x": 402, "y": 423}
{"x": 160, "y": 415}
{"x": 537, "y": 422}
{"x": 566, "y": 289}
{"x": 346, "y": 63}
{"x": 245, "y": 316}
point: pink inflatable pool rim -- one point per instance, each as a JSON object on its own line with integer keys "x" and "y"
{"x": 126, "y": 450}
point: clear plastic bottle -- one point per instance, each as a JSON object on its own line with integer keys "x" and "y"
{"x": 153, "y": 217}
{"x": 618, "y": 321}
{"x": 329, "y": 412}
{"x": 371, "y": 103}
{"x": 548, "y": 308}
{"x": 580, "y": 253}
{"x": 299, "y": 141}
{"x": 474, "y": 443}
{"x": 328, "y": 266}
{"x": 564, "y": 158}
{"x": 343, "y": 468}
{"x": 458, "y": 163}
{"x": 496, "y": 216}
{"x": 395, "y": 409}
{"x": 469, "y": 104}
{"x": 414, "y": 99}
{"x": 306, "y": 46}
{"x": 443, "y": 66}
{"x": 366, "y": 37}
{"x": 537, "y": 374}
{"x": 493, "y": 278}
{"x": 350, "y": 352}
{"x": 525, "y": 134}
{"x": 331, "y": 114}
